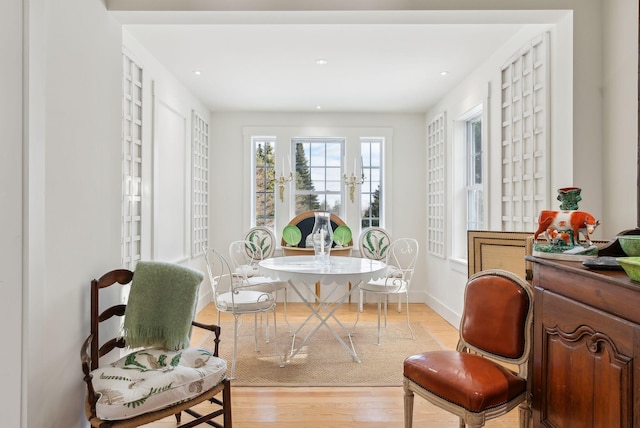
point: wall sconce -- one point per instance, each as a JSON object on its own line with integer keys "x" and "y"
{"x": 281, "y": 182}
{"x": 351, "y": 182}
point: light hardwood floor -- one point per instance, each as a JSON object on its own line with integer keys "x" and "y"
{"x": 303, "y": 407}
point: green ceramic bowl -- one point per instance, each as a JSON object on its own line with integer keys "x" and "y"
{"x": 291, "y": 235}
{"x": 631, "y": 266}
{"x": 342, "y": 235}
{"x": 630, "y": 244}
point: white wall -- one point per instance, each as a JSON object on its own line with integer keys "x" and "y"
{"x": 11, "y": 236}
{"x": 71, "y": 190}
{"x": 593, "y": 144}
{"x": 166, "y": 146}
{"x": 229, "y": 187}
{"x": 446, "y": 277}
{"x": 620, "y": 107}
{"x": 72, "y": 196}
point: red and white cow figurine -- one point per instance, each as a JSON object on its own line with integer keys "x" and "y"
{"x": 558, "y": 238}
{"x": 576, "y": 221}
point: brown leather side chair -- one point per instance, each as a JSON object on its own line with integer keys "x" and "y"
{"x": 477, "y": 381}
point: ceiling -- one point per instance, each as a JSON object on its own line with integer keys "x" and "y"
{"x": 377, "y": 61}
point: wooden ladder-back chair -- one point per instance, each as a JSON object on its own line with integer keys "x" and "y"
{"x": 152, "y": 382}
{"x": 476, "y": 381}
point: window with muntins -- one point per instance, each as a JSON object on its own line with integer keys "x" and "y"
{"x": 318, "y": 174}
{"x": 474, "y": 187}
{"x": 264, "y": 167}
{"x": 371, "y": 149}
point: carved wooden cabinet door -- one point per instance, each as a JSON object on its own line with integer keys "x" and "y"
{"x": 583, "y": 368}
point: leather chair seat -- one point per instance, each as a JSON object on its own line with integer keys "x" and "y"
{"x": 467, "y": 380}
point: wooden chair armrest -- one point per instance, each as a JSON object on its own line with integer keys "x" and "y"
{"x": 215, "y": 329}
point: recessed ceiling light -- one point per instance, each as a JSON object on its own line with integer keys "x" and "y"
{"x": 318, "y": 107}
{"x": 321, "y": 61}
{"x": 196, "y": 72}
{"x": 444, "y": 73}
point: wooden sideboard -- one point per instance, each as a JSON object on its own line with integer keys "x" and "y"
{"x": 586, "y": 357}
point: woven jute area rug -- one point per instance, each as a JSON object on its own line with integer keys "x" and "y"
{"x": 323, "y": 361}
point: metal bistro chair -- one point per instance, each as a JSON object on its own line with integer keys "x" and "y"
{"x": 373, "y": 244}
{"x": 263, "y": 246}
{"x": 231, "y": 295}
{"x": 475, "y": 381}
{"x": 402, "y": 255}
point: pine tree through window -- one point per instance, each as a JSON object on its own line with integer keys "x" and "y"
{"x": 318, "y": 182}
{"x": 265, "y": 173}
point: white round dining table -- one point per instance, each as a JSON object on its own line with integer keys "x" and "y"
{"x": 303, "y": 271}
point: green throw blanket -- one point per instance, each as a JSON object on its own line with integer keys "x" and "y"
{"x": 161, "y": 306}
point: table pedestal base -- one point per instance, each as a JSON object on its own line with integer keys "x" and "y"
{"x": 324, "y": 310}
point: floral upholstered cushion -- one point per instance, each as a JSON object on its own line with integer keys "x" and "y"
{"x": 151, "y": 379}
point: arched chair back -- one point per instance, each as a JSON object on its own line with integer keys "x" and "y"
{"x": 475, "y": 382}
{"x": 264, "y": 240}
{"x": 374, "y": 243}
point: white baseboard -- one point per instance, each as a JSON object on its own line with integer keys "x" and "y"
{"x": 204, "y": 299}
{"x": 445, "y": 312}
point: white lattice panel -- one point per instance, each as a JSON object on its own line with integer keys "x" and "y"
{"x": 436, "y": 150}
{"x": 200, "y": 184}
{"x": 525, "y": 136}
{"x": 131, "y": 237}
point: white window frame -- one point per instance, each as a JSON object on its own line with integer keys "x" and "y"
{"x": 285, "y": 209}
{"x": 372, "y": 177}
{"x": 333, "y": 188}
{"x": 475, "y": 214}
{"x": 460, "y": 166}
{"x": 272, "y": 140}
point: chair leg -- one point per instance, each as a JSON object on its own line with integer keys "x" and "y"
{"x": 255, "y": 330}
{"x": 226, "y": 404}
{"x": 379, "y": 315}
{"x": 399, "y": 304}
{"x": 524, "y": 413}
{"x": 266, "y": 331}
{"x": 235, "y": 347}
{"x": 408, "y": 407}
{"x": 386, "y": 301}
{"x": 408, "y": 322}
{"x": 361, "y": 301}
